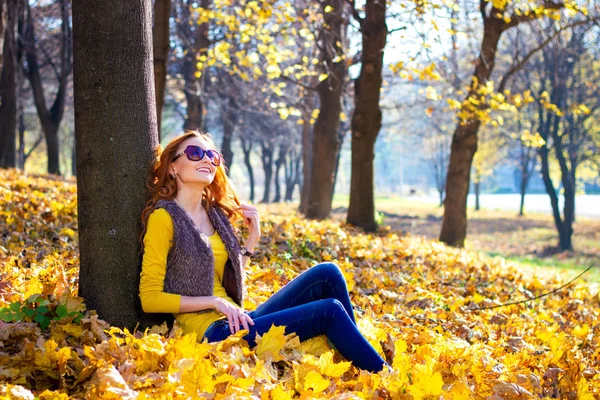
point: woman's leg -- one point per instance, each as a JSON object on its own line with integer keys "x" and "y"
{"x": 323, "y": 281}
{"x": 321, "y": 317}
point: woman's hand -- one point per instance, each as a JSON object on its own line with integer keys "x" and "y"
{"x": 250, "y": 214}
{"x": 235, "y": 315}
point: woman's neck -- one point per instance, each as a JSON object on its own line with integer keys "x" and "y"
{"x": 190, "y": 198}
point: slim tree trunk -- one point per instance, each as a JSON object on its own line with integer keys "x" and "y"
{"x": 111, "y": 177}
{"x": 464, "y": 146}
{"x": 50, "y": 119}
{"x": 366, "y": 120}
{"x": 291, "y": 174}
{"x": 247, "y": 149}
{"x": 477, "y": 187}
{"x": 267, "y": 162}
{"x": 162, "y": 12}
{"x": 199, "y": 43}
{"x": 229, "y": 124}
{"x": 8, "y": 89}
{"x": 307, "y": 139}
{"x": 278, "y": 163}
{"x": 326, "y": 143}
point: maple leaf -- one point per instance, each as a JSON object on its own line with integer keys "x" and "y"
{"x": 271, "y": 343}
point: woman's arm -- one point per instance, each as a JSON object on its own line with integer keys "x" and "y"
{"x": 157, "y": 242}
{"x": 190, "y": 304}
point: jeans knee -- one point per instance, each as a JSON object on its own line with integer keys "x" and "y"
{"x": 329, "y": 268}
{"x": 333, "y": 305}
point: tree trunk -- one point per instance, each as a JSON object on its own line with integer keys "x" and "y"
{"x": 247, "y": 149}
{"x": 292, "y": 174}
{"x": 477, "y": 205}
{"x": 193, "y": 85}
{"x": 229, "y": 124}
{"x": 523, "y": 189}
{"x": 326, "y": 143}
{"x": 8, "y": 89}
{"x": 267, "y": 162}
{"x": 2, "y": 30}
{"x": 342, "y": 136}
{"x": 162, "y": 12}
{"x": 111, "y": 178}
{"x": 74, "y": 156}
{"x": 21, "y": 163}
{"x": 278, "y": 163}
{"x": 464, "y": 145}
{"x": 366, "y": 120}
{"x": 50, "y": 119}
{"x": 307, "y": 140}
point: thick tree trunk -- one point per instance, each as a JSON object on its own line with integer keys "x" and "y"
{"x": 8, "y": 89}
{"x": 162, "y": 12}
{"x": 326, "y": 143}
{"x": 267, "y": 162}
{"x": 247, "y": 149}
{"x": 111, "y": 177}
{"x": 278, "y": 163}
{"x": 464, "y": 145}
{"x": 366, "y": 120}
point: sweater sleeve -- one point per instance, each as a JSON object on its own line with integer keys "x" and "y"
{"x": 157, "y": 242}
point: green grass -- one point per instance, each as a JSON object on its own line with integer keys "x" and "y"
{"x": 542, "y": 265}
{"x": 527, "y": 240}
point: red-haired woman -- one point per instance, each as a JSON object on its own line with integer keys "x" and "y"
{"x": 193, "y": 265}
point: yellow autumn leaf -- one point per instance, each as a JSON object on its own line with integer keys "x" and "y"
{"x": 271, "y": 343}
{"x": 313, "y": 380}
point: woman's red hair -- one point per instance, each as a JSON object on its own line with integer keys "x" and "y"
{"x": 162, "y": 184}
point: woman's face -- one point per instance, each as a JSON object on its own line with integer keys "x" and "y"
{"x": 194, "y": 172}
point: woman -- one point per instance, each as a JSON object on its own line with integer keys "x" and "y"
{"x": 193, "y": 265}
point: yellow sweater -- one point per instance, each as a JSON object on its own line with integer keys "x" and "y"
{"x": 157, "y": 243}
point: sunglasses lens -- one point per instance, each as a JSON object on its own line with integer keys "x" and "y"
{"x": 195, "y": 153}
{"x": 214, "y": 156}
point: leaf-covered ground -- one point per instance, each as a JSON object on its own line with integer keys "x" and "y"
{"x": 415, "y": 301}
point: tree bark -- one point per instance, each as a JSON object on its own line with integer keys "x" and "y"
{"x": 8, "y": 89}
{"x": 162, "y": 12}
{"x": 366, "y": 120}
{"x": 326, "y": 143}
{"x": 50, "y": 119}
{"x": 115, "y": 112}
{"x": 267, "y": 162}
{"x": 464, "y": 145}
{"x": 247, "y": 149}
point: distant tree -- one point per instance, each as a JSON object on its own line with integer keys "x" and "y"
{"x": 497, "y": 17}
{"x": 51, "y": 118}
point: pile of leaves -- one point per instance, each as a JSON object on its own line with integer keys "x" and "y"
{"x": 421, "y": 304}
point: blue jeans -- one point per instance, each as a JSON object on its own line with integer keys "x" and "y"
{"x": 314, "y": 303}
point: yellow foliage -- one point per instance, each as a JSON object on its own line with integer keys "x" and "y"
{"x": 412, "y": 300}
